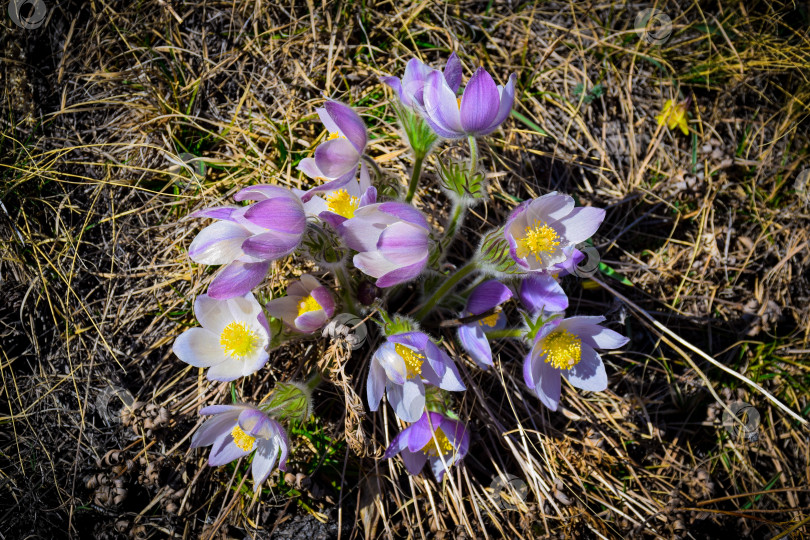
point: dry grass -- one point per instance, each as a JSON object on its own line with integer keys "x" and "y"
{"x": 708, "y": 228}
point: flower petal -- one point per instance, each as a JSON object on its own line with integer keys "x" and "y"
{"x": 414, "y": 461}
{"x": 403, "y": 243}
{"x": 581, "y": 223}
{"x": 260, "y": 192}
{"x": 507, "y": 100}
{"x": 237, "y": 279}
{"x": 263, "y": 461}
{"x": 218, "y": 243}
{"x": 375, "y": 385}
{"x": 336, "y": 157}
{"x": 407, "y": 399}
{"x": 349, "y": 123}
{"x": 281, "y": 214}
{"x": 212, "y": 314}
{"x": 405, "y": 212}
{"x": 589, "y": 373}
{"x": 488, "y": 295}
{"x": 401, "y": 275}
{"x": 452, "y": 72}
{"x": 548, "y": 384}
{"x": 441, "y": 107}
{"x": 476, "y": 344}
{"x": 226, "y": 453}
{"x": 214, "y": 428}
{"x": 199, "y": 348}
{"x": 542, "y": 292}
{"x": 479, "y": 103}
{"x": 271, "y": 245}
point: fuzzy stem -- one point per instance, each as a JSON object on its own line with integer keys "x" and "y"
{"x": 377, "y": 171}
{"x": 446, "y": 287}
{"x": 452, "y": 226}
{"x": 506, "y": 333}
{"x": 346, "y": 290}
{"x": 417, "y": 171}
{"x": 314, "y": 381}
{"x": 473, "y": 153}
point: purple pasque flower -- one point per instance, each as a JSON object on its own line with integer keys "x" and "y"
{"x": 337, "y": 205}
{"x": 307, "y": 306}
{"x": 542, "y": 232}
{"x": 336, "y": 159}
{"x": 472, "y": 335}
{"x": 541, "y": 293}
{"x": 232, "y": 340}
{"x": 411, "y": 87}
{"x": 482, "y": 107}
{"x": 391, "y": 240}
{"x": 235, "y": 431}
{"x": 434, "y": 438}
{"x": 565, "y": 348}
{"x": 246, "y": 239}
{"x": 401, "y": 367}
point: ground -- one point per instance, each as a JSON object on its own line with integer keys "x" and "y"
{"x": 703, "y": 264}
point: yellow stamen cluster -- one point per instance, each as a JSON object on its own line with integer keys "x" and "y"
{"x": 539, "y": 239}
{"x": 342, "y": 204}
{"x": 440, "y": 446}
{"x": 458, "y": 100}
{"x": 241, "y": 439}
{"x": 562, "y": 349}
{"x": 490, "y": 320}
{"x": 335, "y": 135}
{"x": 413, "y": 360}
{"x": 308, "y": 304}
{"x": 238, "y": 340}
{"x": 674, "y": 115}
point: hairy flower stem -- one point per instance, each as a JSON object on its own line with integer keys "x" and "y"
{"x": 456, "y": 218}
{"x": 417, "y": 172}
{"x": 446, "y": 287}
{"x": 377, "y": 171}
{"x": 314, "y": 381}
{"x": 506, "y": 333}
{"x": 346, "y": 289}
{"x": 473, "y": 153}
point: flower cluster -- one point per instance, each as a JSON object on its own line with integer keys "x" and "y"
{"x": 376, "y": 248}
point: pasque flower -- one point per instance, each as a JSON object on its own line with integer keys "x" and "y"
{"x": 246, "y": 239}
{"x": 307, "y": 306}
{"x": 411, "y": 87}
{"x": 433, "y": 438}
{"x": 337, "y": 205}
{"x": 675, "y": 115}
{"x": 337, "y": 158}
{"x": 482, "y": 107}
{"x": 232, "y": 340}
{"x": 401, "y": 367}
{"x": 486, "y": 296}
{"x": 542, "y": 293}
{"x": 542, "y": 232}
{"x": 565, "y": 348}
{"x": 391, "y": 240}
{"x": 236, "y": 431}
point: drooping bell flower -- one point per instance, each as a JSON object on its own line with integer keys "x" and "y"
{"x": 391, "y": 240}
{"x": 472, "y": 335}
{"x": 482, "y": 107}
{"x": 565, "y": 348}
{"x": 542, "y": 232}
{"x": 232, "y": 340}
{"x": 236, "y": 431}
{"x": 337, "y": 158}
{"x": 433, "y": 438}
{"x": 402, "y": 366}
{"x": 410, "y": 89}
{"x": 337, "y": 205}
{"x": 307, "y": 306}
{"x": 542, "y": 293}
{"x": 247, "y": 239}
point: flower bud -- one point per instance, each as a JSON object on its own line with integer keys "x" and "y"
{"x": 290, "y": 401}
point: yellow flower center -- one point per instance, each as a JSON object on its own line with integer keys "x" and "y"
{"x": 413, "y": 360}
{"x": 458, "y": 100}
{"x": 342, "y": 204}
{"x": 335, "y": 135}
{"x": 539, "y": 238}
{"x": 242, "y": 440}
{"x": 238, "y": 340}
{"x": 563, "y": 349}
{"x": 438, "y": 446}
{"x": 490, "y": 320}
{"x": 308, "y": 304}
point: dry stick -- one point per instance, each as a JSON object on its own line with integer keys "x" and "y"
{"x": 702, "y": 354}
